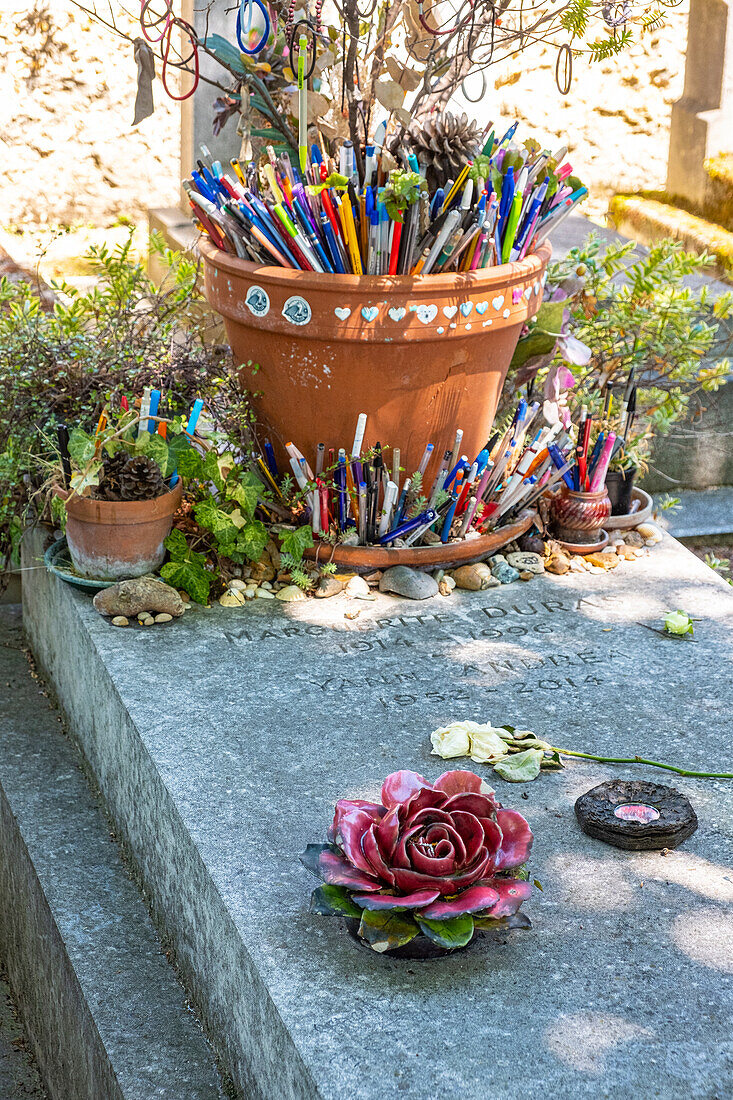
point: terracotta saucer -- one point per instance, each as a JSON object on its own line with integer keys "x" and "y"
{"x": 585, "y": 547}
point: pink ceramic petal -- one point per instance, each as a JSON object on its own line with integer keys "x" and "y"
{"x": 346, "y": 805}
{"x": 350, "y": 830}
{"x": 472, "y": 900}
{"x": 516, "y": 839}
{"x": 335, "y": 870}
{"x": 401, "y": 786}
{"x": 512, "y": 892}
{"x": 373, "y": 854}
{"x": 392, "y": 901}
{"x": 458, "y": 782}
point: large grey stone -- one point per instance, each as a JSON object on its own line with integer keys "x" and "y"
{"x": 222, "y": 743}
{"x": 106, "y": 1016}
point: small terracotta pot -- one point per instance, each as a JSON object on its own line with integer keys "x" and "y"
{"x": 115, "y": 540}
{"x": 579, "y": 517}
{"x": 420, "y": 355}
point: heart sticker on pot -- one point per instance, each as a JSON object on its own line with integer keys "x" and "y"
{"x": 466, "y": 308}
{"x": 536, "y": 288}
{"x": 342, "y": 312}
{"x": 498, "y": 302}
{"x": 528, "y": 292}
{"x": 397, "y": 313}
{"x": 426, "y": 314}
{"x": 440, "y": 330}
{"x": 481, "y": 308}
{"x": 369, "y": 313}
{"x": 450, "y": 311}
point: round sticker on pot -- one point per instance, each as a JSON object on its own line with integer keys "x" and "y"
{"x": 257, "y": 301}
{"x": 297, "y": 310}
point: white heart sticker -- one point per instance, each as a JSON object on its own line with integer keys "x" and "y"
{"x": 467, "y": 327}
{"x": 342, "y": 312}
{"x": 489, "y": 322}
{"x": 369, "y": 313}
{"x": 466, "y": 308}
{"x": 450, "y": 311}
{"x": 397, "y": 312}
{"x": 426, "y": 314}
{"x": 440, "y": 330}
{"x": 536, "y": 288}
{"x": 528, "y": 292}
{"x": 452, "y": 325}
{"x": 498, "y": 302}
{"x": 481, "y": 307}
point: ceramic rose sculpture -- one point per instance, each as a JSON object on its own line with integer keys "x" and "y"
{"x": 433, "y": 859}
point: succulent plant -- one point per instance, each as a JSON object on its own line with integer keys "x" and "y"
{"x": 440, "y": 859}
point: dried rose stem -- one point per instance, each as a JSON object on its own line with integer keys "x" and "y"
{"x": 642, "y": 760}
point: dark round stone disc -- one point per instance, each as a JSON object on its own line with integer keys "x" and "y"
{"x": 636, "y": 815}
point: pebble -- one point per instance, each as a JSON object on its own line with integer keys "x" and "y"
{"x": 163, "y": 618}
{"x": 431, "y": 538}
{"x": 556, "y": 560}
{"x": 266, "y": 584}
{"x": 184, "y": 595}
{"x": 290, "y": 594}
{"x": 504, "y": 572}
{"x": 120, "y": 620}
{"x": 150, "y": 621}
{"x": 532, "y": 544}
{"x": 633, "y": 538}
{"x": 357, "y": 586}
{"x": 131, "y": 597}
{"x": 232, "y": 598}
{"x": 475, "y": 577}
{"x": 373, "y": 578}
{"x": 527, "y": 576}
{"x": 328, "y": 586}
{"x": 250, "y": 593}
{"x": 526, "y": 562}
{"x": 650, "y": 533}
{"x": 237, "y": 586}
{"x": 265, "y": 594}
{"x": 407, "y": 582}
{"x": 352, "y": 539}
{"x": 577, "y": 565}
{"x": 444, "y": 588}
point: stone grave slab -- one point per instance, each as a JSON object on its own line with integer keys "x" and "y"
{"x": 222, "y": 741}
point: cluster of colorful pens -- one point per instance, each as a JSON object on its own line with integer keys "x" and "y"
{"x": 591, "y": 466}
{"x": 298, "y": 222}
{"x": 362, "y": 492}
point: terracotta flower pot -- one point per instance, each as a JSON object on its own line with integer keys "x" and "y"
{"x": 111, "y": 540}
{"x": 578, "y": 518}
{"x": 422, "y": 356}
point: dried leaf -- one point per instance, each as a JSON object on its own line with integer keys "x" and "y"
{"x": 389, "y": 94}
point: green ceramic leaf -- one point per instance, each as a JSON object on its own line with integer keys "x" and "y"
{"x": 456, "y": 932}
{"x": 521, "y": 767}
{"x": 333, "y": 899}
{"x": 385, "y": 930}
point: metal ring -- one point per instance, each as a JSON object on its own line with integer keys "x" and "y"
{"x": 564, "y": 54}
{"x": 466, "y": 96}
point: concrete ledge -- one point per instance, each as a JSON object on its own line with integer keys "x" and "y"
{"x": 648, "y": 220}
{"x": 106, "y": 1016}
{"x": 221, "y": 742}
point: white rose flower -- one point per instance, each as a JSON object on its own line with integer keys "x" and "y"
{"x": 487, "y": 746}
{"x": 451, "y": 741}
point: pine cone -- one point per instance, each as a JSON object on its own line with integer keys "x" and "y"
{"x": 442, "y": 144}
{"x": 109, "y": 482}
{"x": 141, "y": 479}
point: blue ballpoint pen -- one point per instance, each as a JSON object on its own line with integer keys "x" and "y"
{"x": 313, "y": 240}
{"x": 401, "y": 503}
{"x": 426, "y": 520}
{"x": 437, "y": 204}
{"x": 202, "y": 186}
{"x": 445, "y": 531}
{"x": 530, "y": 215}
{"x": 559, "y": 461}
{"x": 263, "y": 224}
{"x": 270, "y": 458}
{"x": 462, "y": 464}
{"x": 328, "y": 233}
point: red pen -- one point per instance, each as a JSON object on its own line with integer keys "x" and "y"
{"x": 394, "y": 256}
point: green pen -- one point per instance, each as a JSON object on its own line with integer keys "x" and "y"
{"x": 511, "y": 228}
{"x": 302, "y": 104}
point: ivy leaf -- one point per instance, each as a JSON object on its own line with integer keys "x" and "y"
{"x": 253, "y": 539}
{"x": 334, "y": 899}
{"x": 183, "y": 457}
{"x": 521, "y": 767}
{"x": 176, "y": 545}
{"x": 456, "y": 932}
{"x": 155, "y": 448}
{"x": 385, "y": 930}
{"x": 214, "y": 519}
{"x": 189, "y": 575}
{"x": 81, "y": 447}
{"x": 246, "y": 496}
{"x": 211, "y": 469}
{"x": 295, "y": 542}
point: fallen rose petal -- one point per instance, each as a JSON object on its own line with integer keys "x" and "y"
{"x": 395, "y": 901}
{"x": 401, "y": 786}
{"x": 512, "y": 892}
{"x": 472, "y": 900}
{"x": 337, "y": 871}
{"x": 516, "y": 839}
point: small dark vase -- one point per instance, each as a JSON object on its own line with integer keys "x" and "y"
{"x": 579, "y": 517}
{"x": 619, "y": 486}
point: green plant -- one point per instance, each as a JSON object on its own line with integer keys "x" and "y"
{"x": 638, "y": 319}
